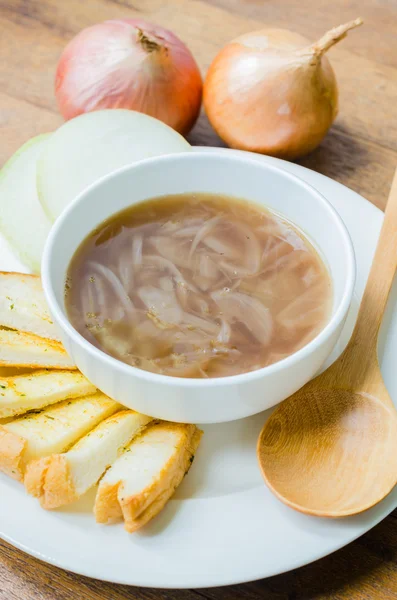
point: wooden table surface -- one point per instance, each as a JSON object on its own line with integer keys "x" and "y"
{"x": 360, "y": 151}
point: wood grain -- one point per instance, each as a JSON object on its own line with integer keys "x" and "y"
{"x": 366, "y": 110}
{"x": 360, "y": 365}
{"x": 329, "y": 449}
{"x": 360, "y": 151}
{"x": 376, "y": 44}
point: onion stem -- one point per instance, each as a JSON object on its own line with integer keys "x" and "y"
{"x": 147, "y": 43}
{"x": 333, "y": 37}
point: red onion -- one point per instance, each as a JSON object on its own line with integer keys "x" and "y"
{"x": 129, "y": 63}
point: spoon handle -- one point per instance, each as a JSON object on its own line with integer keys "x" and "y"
{"x": 363, "y": 344}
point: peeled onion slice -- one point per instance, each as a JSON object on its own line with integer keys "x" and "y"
{"x": 224, "y": 333}
{"x": 233, "y": 271}
{"x": 199, "y": 323}
{"x": 191, "y": 370}
{"x": 170, "y": 250}
{"x": 253, "y": 250}
{"x": 22, "y": 219}
{"x": 236, "y": 306}
{"x": 162, "y": 304}
{"x": 207, "y": 267}
{"x": 94, "y": 144}
{"x": 164, "y": 263}
{"x": 207, "y": 273}
{"x": 274, "y": 252}
{"x": 221, "y": 247}
{"x": 202, "y": 232}
{"x": 186, "y": 232}
{"x": 131, "y": 260}
{"x": 199, "y": 305}
{"x": 303, "y": 312}
{"x": 115, "y": 285}
{"x": 137, "y": 250}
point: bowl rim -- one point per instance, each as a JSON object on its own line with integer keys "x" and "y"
{"x": 180, "y": 382}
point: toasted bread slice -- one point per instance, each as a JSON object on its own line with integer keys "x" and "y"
{"x": 142, "y": 480}
{"x": 50, "y": 431}
{"x": 23, "y": 305}
{"x": 25, "y": 350}
{"x": 37, "y": 389}
{"x": 62, "y": 478}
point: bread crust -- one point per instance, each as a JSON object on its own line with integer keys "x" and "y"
{"x": 23, "y": 306}
{"x": 50, "y": 479}
{"x": 111, "y": 503}
{"x": 12, "y": 448}
{"x": 139, "y": 511}
{"x": 107, "y": 508}
{"x": 35, "y": 475}
{"x": 13, "y": 342}
{"x": 15, "y": 448}
{"x": 31, "y": 391}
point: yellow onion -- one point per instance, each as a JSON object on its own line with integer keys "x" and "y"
{"x": 269, "y": 92}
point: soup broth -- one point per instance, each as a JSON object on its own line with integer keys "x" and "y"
{"x": 198, "y": 285}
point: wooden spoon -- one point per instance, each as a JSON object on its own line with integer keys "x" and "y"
{"x": 331, "y": 449}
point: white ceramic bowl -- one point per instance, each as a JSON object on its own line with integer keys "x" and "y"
{"x": 201, "y": 400}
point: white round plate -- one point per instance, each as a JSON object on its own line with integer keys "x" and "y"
{"x": 223, "y": 525}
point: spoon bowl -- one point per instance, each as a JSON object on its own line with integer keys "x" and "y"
{"x": 330, "y": 450}
{"x": 356, "y": 438}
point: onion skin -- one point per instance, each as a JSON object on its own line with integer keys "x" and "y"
{"x": 269, "y": 92}
{"x": 132, "y": 64}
